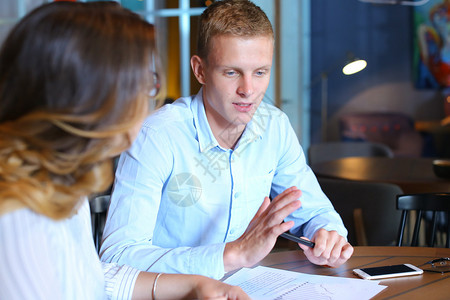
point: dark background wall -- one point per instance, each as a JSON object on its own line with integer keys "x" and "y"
{"x": 381, "y": 34}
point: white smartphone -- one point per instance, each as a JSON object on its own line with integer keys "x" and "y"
{"x": 388, "y": 271}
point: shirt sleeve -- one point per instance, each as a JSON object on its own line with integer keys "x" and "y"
{"x": 119, "y": 280}
{"x": 129, "y": 231}
{"x": 316, "y": 210}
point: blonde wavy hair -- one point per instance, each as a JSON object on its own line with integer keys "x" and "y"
{"x": 74, "y": 82}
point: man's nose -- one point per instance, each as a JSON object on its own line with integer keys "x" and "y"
{"x": 245, "y": 88}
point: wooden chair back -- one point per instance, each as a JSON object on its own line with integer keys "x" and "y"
{"x": 438, "y": 204}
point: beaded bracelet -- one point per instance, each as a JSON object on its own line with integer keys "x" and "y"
{"x": 154, "y": 286}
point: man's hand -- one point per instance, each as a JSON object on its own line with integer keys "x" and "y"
{"x": 262, "y": 232}
{"x": 331, "y": 249}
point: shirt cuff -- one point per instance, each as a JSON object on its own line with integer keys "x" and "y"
{"x": 330, "y": 222}
{"x": 119, "y": 280}
{"x": 208, "y": 260}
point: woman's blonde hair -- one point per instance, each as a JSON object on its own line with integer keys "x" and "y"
{"x": 74, "y": 80}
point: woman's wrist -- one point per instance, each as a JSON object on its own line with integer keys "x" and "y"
{"x": 155, "y": 284}
{"x": 169, "y": 286}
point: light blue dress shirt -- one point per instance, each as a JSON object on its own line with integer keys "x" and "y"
{"x": 179, "y": 197}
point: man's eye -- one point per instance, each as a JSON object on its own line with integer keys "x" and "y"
{"x": 260, "y": 73}
{"x": 230, "y": 73}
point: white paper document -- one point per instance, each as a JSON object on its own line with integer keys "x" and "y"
{"x": 264, "y": 283}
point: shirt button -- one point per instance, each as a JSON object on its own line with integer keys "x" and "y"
{"x": 237, "y": 194}
{"x": 232, "y": 231}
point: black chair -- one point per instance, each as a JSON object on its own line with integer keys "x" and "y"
{"x": 367, "y": 209}
{"x": 422, "y": 203}
{"x": 99, "y": 207}
{"x": 334, "y": 150}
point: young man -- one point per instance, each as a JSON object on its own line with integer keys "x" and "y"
{"x": 191, "y": 195}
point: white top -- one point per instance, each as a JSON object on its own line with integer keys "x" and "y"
{"x": 41, "y": 258}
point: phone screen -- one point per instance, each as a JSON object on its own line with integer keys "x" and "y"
{"x": 395, "y": 269}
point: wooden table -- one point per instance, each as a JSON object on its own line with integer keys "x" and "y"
{"x": 413, "y": 175}
{"x": 427, "y": 286}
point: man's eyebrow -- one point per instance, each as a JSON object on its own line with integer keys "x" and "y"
{"x": 239, "y": 68}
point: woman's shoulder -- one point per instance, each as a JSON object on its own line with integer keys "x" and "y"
{"x": 54, "y": 257}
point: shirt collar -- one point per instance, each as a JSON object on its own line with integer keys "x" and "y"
{"x": 206, "y": 139}
{"x": 205, "y": 136}
{"x": 257, "y": 124}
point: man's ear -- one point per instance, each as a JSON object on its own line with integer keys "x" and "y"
{"x": 197, "y": 65}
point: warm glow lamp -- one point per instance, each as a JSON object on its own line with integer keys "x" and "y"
{"x": 353, "y": 66}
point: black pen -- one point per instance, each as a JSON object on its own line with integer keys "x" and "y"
{"x": 296, "y": 239}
